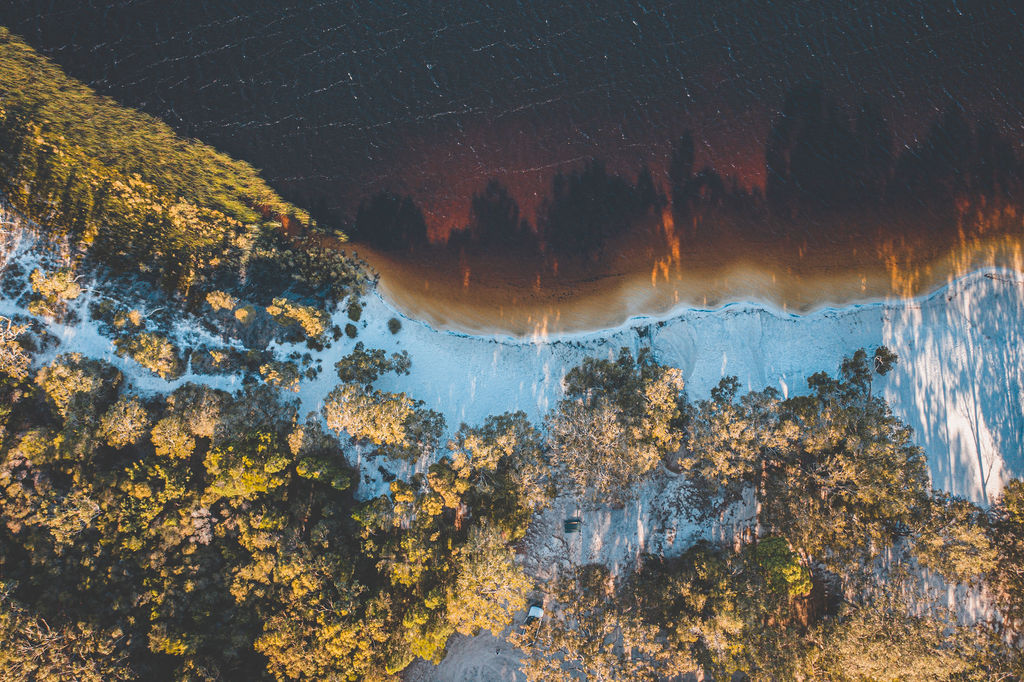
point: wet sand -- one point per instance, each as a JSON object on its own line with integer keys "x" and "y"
{"x": 659, "y": 269}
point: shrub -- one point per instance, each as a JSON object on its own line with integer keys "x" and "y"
{"x": 14, "y": 361}
{"x": 351, "y": 331}
{"x": 125, "y": 422}
{"x": 59, "y": 285}
{"x": 132, "y": 317}
{"x": 394, "y": 325}
{"x": 78, "y": 385}
{"x": 281, "y": 375}
{"x": 782, "y": 568}
{"x": 220, "y": 300}
{"x": 245, "y": 314}
{"x": 312, "y": 320}
{"x": 152, "y": 351}
{"x": 51, "y": 292}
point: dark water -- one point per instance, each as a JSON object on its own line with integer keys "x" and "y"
{"x": 336, "y": 100}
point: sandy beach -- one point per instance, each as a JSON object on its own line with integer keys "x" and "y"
{"x": 540, "y": 295}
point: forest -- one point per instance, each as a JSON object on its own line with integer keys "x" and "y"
{"x": 129, "y": 195}
{"x": 202, "y": 533}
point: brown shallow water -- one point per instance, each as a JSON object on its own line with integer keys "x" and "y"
{"x": 659, "y": 268}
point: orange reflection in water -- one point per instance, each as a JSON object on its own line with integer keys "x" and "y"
{"x": 672, "y": 243}
{"x": 871, "y": 255}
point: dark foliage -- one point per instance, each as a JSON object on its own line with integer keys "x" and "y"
{"x": 589, "y": 206}
{"x": 391, "y": 222}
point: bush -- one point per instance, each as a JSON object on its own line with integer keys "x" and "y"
{"x": 130, "y": 317}
{"x": 55, "y": 286}
{"x": 245, "y": 314}
{"x": 219, "y": 300}
{"x": 351, "y": 331}
{"x": 129, "y": 142}
{"x": 284, "y": 375}
{"x": 51, "y": 291}
{"x": 394, "y": 325}
{"x": 14, "y": 361}
{"x": 226, "y": 360}
{"x": 355, "y": 311}
{"x": 125, "y": 422}
{"x": 312, "y": 320}
{"x": 152, "y": 351}
{"x": 78, "y": 385}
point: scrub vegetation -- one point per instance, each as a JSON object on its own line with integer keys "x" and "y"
{"x": 122, "y": 191}
{"x": 202, "y": 534}
{"x": 187, "y": 532}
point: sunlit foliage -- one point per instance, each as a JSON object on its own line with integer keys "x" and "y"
{"x": 616, "y": 423}
{"x": 130, "y": 142}
{"x": 125, "y": 422}
{"x": 153, "y": 351}
{"x": 14, "y": 361}
{"x": 200, "y": 534}
{"x": 1007, "y": 571}
{"x": 313, "y": 321}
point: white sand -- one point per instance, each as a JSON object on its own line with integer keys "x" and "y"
{"x": 958, "y": 384}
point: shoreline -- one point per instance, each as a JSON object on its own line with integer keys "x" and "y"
{"x": 956, "y": 344}
{"x": 577, "y": 307}
{"x": 1011, "y": 275}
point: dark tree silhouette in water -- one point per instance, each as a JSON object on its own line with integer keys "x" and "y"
{"x": 815, "y": 159}
{"x": 390, "y": 221}
{"x": 996, "y": 171}
{"x": 647, "y": 195}
{"x": 589, "y": 206}
{"x": 937, "y": 168}
{"x": 822, "y": 159}
{"x": 955, "y": 160}
{"x": 680, "y": 174}
{"x": 810, "y": 153}
{"x": 495, "y": 219}
{"x": 872, "y": 164}
{"x": 707, "y": 188}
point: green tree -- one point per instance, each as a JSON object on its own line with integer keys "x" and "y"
{"x": 154, "y": 352}
{"x": 172, "y": 438}
{"x": 882, "y": 640}
{"x": 321, "y": 629}
{"x": 220, "y": 300}
{"x": 365, "y": 367}
{"x": 954, "y": 540}
{"x": 125, "y": 422}
{"x": 79, "y": 387}
{"x": 834, "y": 471}
{"x": 249, "y": 467}
{"x": 782, "y": 568}
{"x": 498, "y": 470}
{"x": 52, "y": 292}
{"x": 312, "y": 321}
{"x": 595, "y": 636}
{"x": 284, "y": 375}
{"x": 619, "y": 419}
{"x": 1007, "y": 533}
{"x": 490, "y": 587}
{"x": 393, "y": 421}
{"x": 854, "y": 480}
{"x": 33, "y": 649}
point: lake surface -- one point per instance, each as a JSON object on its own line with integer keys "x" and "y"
{"x": 336, "y": 100}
